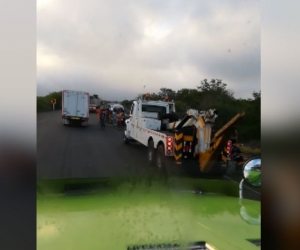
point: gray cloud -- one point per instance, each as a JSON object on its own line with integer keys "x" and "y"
{"x": 114, "y": 48}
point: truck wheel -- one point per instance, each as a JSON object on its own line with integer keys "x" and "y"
{"x": 64, "y": 122}
{"x": 151, "y": 153}
{"x": 125, "y": 139}
{"x": 161, "y": 158}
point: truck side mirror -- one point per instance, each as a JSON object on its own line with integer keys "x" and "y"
{"x": 252, "y": 174}
{"x": 252, "y": 171}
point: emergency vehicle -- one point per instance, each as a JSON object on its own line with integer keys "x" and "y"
{"x": 186, "y": 141}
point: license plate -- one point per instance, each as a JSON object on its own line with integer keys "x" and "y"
{"x": 75, "y": 118}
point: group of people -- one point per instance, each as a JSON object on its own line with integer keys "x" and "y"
{"x": 105, "y": 116}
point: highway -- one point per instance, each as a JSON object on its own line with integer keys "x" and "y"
{"x": 84, "y": 152}
{"x": 68, "y": 152}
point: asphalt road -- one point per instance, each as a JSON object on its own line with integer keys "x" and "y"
{"x": 67, "y": 152}
{"x": 84, "y": 152}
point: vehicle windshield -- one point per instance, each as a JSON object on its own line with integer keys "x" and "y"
{"x": 153, "y": 108}
{"x": 167, "y": 172}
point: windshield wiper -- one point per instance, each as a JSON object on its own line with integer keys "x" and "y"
{"x": 174, "y": 246}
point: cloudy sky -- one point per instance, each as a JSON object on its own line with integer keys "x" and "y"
{"x": 118, "y": 49}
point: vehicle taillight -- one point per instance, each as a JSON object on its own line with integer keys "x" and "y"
{"x": 187, "y": 147}
{"x": 169, "y": 144}
{"x": 229, "y": 149}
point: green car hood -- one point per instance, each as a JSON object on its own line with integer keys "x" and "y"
{"x": 138, "y": 214}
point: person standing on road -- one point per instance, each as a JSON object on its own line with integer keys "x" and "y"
{"x": 123, "y": 118}
{"x": 114, "y": 118}
{"x": 107, "y": 115}
{"x": 103, "y": 116}
{"x": 98, "y": 114}
{"x": 119, "y": 117}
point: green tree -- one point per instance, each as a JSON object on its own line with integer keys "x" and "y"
{"x": 167, "y": 92}
{"x": 249, "y": 126}
{"x": 256, "y": 95}
{"x": 181, "y": 108}
{"x": 213, "y": 92}
{"x": 126, "y": 104}
{"x": 191, "y": 97}
{"x": 155, "y": 97}
{"x": 44, "y": 102}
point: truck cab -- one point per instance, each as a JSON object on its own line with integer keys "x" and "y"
{"x": 151, "y": 115}
{"x": 151, "y": 109}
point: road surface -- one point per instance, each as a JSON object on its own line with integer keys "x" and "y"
{"x": 84, "y": 152}
{"x": 67, "y": 152}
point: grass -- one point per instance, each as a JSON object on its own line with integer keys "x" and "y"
{"x": 254, "y": 150}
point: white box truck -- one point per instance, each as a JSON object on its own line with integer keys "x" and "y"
{"x": 75, "y": 107}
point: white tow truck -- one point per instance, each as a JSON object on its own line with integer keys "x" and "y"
{"x": 185, "y": 141}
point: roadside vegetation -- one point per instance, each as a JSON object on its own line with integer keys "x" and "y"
{"x": 250, "y": 150}
{"x": 43, "y": 103}
{"x": 209, "y": 94}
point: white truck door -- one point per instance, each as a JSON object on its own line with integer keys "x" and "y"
{"x": 70, "y": 103}
{"x": 81, "y": 105}
{"x": 136, "y": 124}
{"x": 136, "y": 120}
{"x": 86, "y": 105}
{"x": 133, "y": 121}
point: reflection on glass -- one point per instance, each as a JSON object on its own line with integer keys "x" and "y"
{"x": 252, "y": 171}
{"x": 252, "y": 218}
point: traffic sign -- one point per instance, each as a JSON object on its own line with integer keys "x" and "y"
{"x": 53, "y": 101}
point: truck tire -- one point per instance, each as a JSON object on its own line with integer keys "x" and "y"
{"x": 161, "y": 162}
{"x": 151, "y": 153}
{"x": 125, "y": 139}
